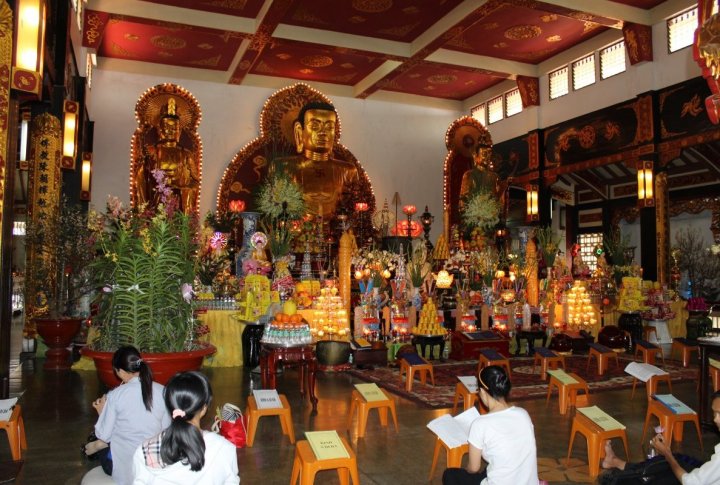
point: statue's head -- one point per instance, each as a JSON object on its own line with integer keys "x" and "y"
{"x": 169, "y": 129}
{"x": 482, "y": 155}
{"x": 314, "y": 128}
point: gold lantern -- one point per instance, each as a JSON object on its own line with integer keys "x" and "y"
{"x": 27, "y": 66}
{"x": 646, "y": 196}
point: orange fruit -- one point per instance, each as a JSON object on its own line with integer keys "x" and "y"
{"x": 297, "y": 318}
{"x": 284, "y": 317}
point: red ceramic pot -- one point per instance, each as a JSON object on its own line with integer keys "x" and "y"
{"x": 163, "y": 365}
{"x": 57, "y": 334}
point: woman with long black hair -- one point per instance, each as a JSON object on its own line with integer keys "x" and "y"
{"x": 183, "y": 453}
{"x": 129, "y": 414}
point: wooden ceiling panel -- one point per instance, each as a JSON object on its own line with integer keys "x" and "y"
{"x": 398, "y": 20}
{"x": 442, "y": 81}
{"x": 299, "y": 60}
{"x": 164, "y": 43}
{"x": 524, "y": 34}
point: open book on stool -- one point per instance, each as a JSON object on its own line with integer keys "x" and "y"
{"x": 454, "y": 431}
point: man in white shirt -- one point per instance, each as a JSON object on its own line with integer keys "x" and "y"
{"x": 707, "y": 474}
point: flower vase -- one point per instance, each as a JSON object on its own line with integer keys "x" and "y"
{"x": 416, "y": 299}
{"x": 249, "y": 228}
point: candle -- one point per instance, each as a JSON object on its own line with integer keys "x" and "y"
{"x": 409, "y": 209}
{"x": 361, "y": 206}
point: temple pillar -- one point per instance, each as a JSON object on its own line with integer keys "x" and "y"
{"x": 662, "y": 227}
{"x": 44, "y": 186}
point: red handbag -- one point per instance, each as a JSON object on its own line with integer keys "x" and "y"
{"x": 232, "y": 425}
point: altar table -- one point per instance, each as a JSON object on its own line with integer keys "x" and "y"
{"x": 226, "y": 335}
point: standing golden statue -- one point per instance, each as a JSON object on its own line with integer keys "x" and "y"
{"x": 166, "y": 143}
{"x": 320, "y": 177}
{"x": 483, "y": 176}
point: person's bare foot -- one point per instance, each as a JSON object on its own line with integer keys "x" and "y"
{"x": 611, "y": 460}
{"x": 94, "y": 446}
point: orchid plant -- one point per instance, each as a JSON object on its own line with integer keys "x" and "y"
{"x": 145, "y": 269}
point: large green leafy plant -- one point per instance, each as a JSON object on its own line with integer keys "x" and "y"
{"x": 145, "y": 270}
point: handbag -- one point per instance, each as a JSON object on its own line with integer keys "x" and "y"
{"x": 231, "y": 425}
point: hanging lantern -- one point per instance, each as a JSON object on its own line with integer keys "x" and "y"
{"x": 646, "y": 196}
{"x": 27, "y": 64}
{"x": 532, "y": 213}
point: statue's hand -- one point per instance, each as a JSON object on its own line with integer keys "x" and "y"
{"x": 709, "y": 44}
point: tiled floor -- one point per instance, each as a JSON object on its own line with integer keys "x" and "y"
{"x": 58, "y": 417}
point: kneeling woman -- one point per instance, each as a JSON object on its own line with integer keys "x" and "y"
{"x": 183, "y": 453}
{"x": 504, "y": 437}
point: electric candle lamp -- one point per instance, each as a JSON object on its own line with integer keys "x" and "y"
{"x": 358, "y": 275}
{"x": 409, "y": 210}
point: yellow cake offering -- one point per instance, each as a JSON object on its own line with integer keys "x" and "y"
{"x": 428, "y": 323}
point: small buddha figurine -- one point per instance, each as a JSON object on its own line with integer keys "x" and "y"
{"x": 320, "y": 177}
{"x": 178, "y": 163}
{"x": 258, "y": 262}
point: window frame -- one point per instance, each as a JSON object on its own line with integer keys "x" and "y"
{"x": 572, "y": 71}
{"x": 505, "y": 102}
{"x": 667, "y": 29}
{"x": 501, "y": 97}
{"x": 566, "y": 67}
{"x": 600, "y": 56}
{"x": 478, "y": 107}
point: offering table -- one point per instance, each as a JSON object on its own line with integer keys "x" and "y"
{"x": 301, "y": 356}
{"x": 467, "y": 345}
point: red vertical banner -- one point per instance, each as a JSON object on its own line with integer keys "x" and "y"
{"x": 638, "y": 42}
{"x": 529, "y": 90}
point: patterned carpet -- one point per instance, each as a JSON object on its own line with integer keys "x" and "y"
{"x": 526, "y": 382}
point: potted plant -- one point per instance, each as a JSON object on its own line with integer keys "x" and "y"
{"x": 145, "y": 268}
{"x": 60, "y": 249}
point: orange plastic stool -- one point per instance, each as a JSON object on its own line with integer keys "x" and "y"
{"x": 422, "y": 369}
{"x": 652, "y": 384}
{"x": 468, "y": 398}
{"x": 595, "y": 437}
{"x": 567, "y": 393}
{"x": 363, "y": 407}
{"x": 648, "y": 351}
{"x": 686, "y": 347}
{"x": 548, "y": 360}
{"x": 715, "y": 377}
{"x": 15, "y": 429}
{"x": 647, "y": 330}
{"x": 602, "y": 354}
{"x": 453, "y": 455}
{"x": 306, "y": 465}
{"x": 671, "y": 422}
{"x": 254, "y": 415}
{"x": 493, "y": 357}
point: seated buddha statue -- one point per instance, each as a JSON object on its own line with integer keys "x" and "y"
{"x": 320, "y": 177}
{"x": 178, "y": 163}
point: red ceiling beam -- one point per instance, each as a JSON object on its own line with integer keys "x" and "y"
{"x": 261, "y": 38}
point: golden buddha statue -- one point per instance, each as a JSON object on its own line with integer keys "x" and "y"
{"x": 483, "y": 176}
{"x": 178, "y": 163}
{"x": 320, "y": 177}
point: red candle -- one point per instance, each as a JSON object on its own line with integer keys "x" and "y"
{"x": 361, "y": 206}
{"x": 237, "y": 205}
{"x": 409, "y": 210}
